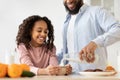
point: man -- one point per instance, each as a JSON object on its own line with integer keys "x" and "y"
{"x": 87, "y": 31}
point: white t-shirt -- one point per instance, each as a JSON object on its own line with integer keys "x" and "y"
{"x": 70, "y": 36}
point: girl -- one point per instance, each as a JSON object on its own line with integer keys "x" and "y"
{"x": 35, "y": 45}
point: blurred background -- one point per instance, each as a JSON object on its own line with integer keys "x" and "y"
{"x": 12, "y": 13}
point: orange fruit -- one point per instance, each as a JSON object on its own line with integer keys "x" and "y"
{"x": 3, "y": 70}
{"x": 109, "y": 68}
{"x": 14, "y": 70}
{"x": 25, "y": 67}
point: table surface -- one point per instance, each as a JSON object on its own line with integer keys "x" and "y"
{"x": 73, "y": 76}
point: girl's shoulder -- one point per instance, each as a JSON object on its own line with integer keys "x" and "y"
{"x": 53, "y": 51}
{"x": 21, "y": 46}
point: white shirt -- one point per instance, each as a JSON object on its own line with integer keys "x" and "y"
{"x": 70, "y": 36}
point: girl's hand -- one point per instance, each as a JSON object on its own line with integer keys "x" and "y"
{"x": 52, "y": 70}
{"x": 87, "y": 53}
{"x": 68, "y": 69}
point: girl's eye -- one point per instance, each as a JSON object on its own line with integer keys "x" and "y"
{"x": 45, "y": 32}
{"x": 39, "y": 30}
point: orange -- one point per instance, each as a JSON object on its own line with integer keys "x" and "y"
{"x": 14, "y": 70}
{"x": 25, "y": 67}
{"x": 3, "y": 70}
{"x": 109, "y": 68}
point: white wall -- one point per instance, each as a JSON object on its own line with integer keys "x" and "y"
{"x": 12, "y": 13}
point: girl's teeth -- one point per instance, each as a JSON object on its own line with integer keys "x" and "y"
{"x": 41, "y": 38}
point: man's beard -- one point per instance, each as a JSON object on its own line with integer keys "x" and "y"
{"x": 76, "y": 10}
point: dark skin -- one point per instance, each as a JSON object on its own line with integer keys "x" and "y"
{"x": 87, "y": 52}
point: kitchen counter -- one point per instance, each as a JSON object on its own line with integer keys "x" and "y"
{"x": 68, "y": 77}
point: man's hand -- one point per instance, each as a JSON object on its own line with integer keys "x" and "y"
{"x": 68, "y": 69}
{"x": 87, "y": 53}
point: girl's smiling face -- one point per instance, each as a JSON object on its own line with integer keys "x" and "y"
{"x": 39, "y": 33}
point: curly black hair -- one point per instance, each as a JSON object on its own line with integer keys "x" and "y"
{"x": 26, "y": 27}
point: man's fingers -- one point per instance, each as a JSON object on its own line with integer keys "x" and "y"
{"x": 91, "y": 57}
{"x": 80, "y": 55}
{"x": 87, "y": 54}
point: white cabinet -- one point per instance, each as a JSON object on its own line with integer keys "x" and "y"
{"x": 111, "y": 5}
{"x": 117, "y": 9}
{"x": 108, "y": 4}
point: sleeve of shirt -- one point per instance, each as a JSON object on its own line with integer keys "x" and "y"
{"x": 60, "y": 56}
{"x": 110, "y": 26}
{"x": 24, "y": 58}
{"x": 53, "y": 57}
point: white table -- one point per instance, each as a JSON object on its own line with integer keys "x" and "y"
{"x": 69, "y": 77}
